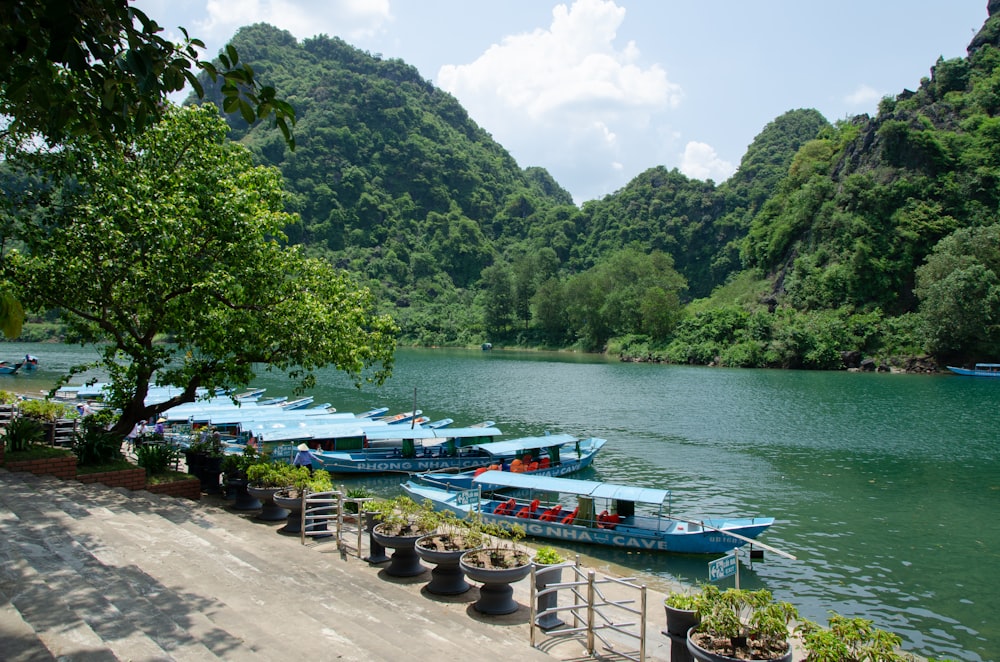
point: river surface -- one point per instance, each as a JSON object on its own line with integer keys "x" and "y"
{"x": 885, "y": 487}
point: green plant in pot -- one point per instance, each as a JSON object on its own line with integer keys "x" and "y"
{"x": 850, "y": 640}
{"x": 547, "y": 572}
{"x": 497, "y": 565}
{"x": 741, "y": 624}
{"x": 682, "y": 612}
{"x": 401, "y": 521}
{"x": 444, "y": 549}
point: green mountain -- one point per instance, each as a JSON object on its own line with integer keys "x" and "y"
{"x": 829, "y": 239}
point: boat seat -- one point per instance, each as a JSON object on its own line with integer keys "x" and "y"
{"x": 505, "y": 508}
{"x": 608, "y": 521}
{"x": 481, "y": 470}
{"x": 533, "y": 508}
{"x": 568, "y": 519}
{"x": 544, "y": 463}
{"x": 550, "y": 514}
{"x": 524, "y": 513}
{"x": 533, "y": 466}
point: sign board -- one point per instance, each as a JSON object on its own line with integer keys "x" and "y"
{"x": 722, "y": 568}
{"x": 467, "y": 497}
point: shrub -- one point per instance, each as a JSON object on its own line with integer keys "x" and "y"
{"x": 156, "y": 459}
{"x": 94, "y": 444}
{"x": 23, "y": 433}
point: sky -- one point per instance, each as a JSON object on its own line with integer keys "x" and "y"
{"x": 598, "y": 91}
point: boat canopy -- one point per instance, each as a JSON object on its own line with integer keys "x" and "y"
{"x": 572, "y": 486}
{"x": 396, "y": 432}
{"x": 511, "y": 446}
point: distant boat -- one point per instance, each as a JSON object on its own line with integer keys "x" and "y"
{"x": 487, "y": 346}
{"x": 591, "y": 512}
{"x": 981, "y": 370}
{"x": 30, "y": 362}
{"x": 10, "y": 368}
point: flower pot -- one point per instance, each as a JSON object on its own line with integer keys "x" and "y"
{"x": 703, "y": 655}
{"x": 496, "y": 595}
{"x": 269, "y": 512}
{"x": 546, "y": 574}
{"x": 404, "y": 561}
{"x": 293, "y": 505}
{"x": 243, "y": 499}
{"x": 211, "y": 470}
{"x": 447, "y": 577}
{"x": 679, "y": 621}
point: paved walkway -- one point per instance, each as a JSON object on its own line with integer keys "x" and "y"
{"x": 89, "y": 573}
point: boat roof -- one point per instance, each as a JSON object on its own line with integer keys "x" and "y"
{"x": 397, "y": 432}
{"x": 525, "y": 443}
{"x": 589, "y": 488}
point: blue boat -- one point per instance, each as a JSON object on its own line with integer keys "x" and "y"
{"x": 391, "y": 449}
{"x": 981, "y": 370}
{"x": 636, "y": 518}
{"x": 551, "y": 455}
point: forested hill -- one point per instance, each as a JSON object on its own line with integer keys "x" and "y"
{"x": 813, "y": 248}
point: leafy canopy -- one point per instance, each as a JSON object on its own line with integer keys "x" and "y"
{"x": 101, "y": 68}
{"x": 178, "y": 235}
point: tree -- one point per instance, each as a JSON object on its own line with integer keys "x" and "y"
{"x": 178, "y": 236}
{"x": 101, "y": 68}
{"x": 959, "y": 292}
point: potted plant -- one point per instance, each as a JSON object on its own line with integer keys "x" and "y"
{"x": 682, "y": 612}
{"x": 265, "y": 478}
{"x": 204, "y": 458}
{"x": 548, "y": 570}
{"x": 497, "y": 565}
{"x": 401, "y": 521}
{"x": 849, "y": 640}
{"x": 234, "y": 468}
{"x": 290, "y": 497}
{"x": 741, "y": 624}
{"x": 444, "y": 549}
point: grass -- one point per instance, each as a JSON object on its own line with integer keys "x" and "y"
{"x": 168, "y": 477}
{"x": 37, "y": 452}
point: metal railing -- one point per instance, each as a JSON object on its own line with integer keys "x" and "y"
{"x": 594, "y": 612}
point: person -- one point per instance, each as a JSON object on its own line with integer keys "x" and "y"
{"x": 303, "y": 458}
{"x": 158, "y": 428}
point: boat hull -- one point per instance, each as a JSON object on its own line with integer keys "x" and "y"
{"x": 978, "y": 372}
{"x": 673, "y": 536}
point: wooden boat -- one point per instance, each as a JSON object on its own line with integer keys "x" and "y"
{"x": 592, "y": 512}
{"x": 551, "y": 455}
{"x": 298, "y": 403}
{"x": 10, "y": 368}
{"x": 391, "y": 449}
{"x": 430, "y": 456}
{"x": 981, "y": 370}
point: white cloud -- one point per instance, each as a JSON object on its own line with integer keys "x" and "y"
{"x": 219, "y": 19}
{"x": 864, "y": 95}
{"x": 701, "y": 162}
{"x": 565, "y": 97}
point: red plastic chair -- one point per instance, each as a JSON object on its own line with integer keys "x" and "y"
{"x": 524, "y": 512}
{"x": 569, "y": 518}
{"x": 550, "y": 514}
{"x": 544, "y": 463}
{"x": 505, "y": 508}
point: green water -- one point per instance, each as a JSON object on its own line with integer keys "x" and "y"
{"x": 885, "y": 487}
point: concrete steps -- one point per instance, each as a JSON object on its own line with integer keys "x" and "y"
{"x": 93, "y": 573}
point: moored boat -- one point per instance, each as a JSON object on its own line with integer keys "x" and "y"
{"x": 594, "y": 513}
{"x": 551, "y": 455}
{"x": 980, "y": 370}
{"x": 411, "y": 450}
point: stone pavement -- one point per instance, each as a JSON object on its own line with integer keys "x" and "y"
{"x": 89, "y": 573}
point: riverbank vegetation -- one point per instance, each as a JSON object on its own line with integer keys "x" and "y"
{"x": 822, "y": 245}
